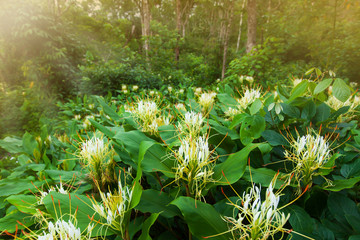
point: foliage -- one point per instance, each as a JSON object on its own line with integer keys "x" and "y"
{"x": 190, "y": 171}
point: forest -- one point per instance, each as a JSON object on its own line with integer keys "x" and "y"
{"x": 179, "y": 119}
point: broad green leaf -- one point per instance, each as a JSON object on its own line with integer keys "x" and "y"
{"x": 339, "y": 206}
{"x": 101, "y": 128}
{"x": 300, "y": 220}
{"x": 24, "y": 203}
{"x": 299, "y": 90}
{"x": 131, "y": 140}
{"x": 65, "y": 176}
{"x": 108, "y": 110}
{"x": 203, "y": 220}
{"x": 147, "y": 225}
{"x": 157, "y": 202}
{"x": 227, "y": 100}
{"x": 322, "y": 113}
{"x": 14, "y": 186}
{"x": 255, "y": 106}
{"x": 29, "y": 143}
{"x": 168, "y": 134}
{"x": 234, "y": 166}
{"x": 290, "y": 110}
{"x": 339, "y": 185}
{"x": 66, "y": 204}
{"x": 264, "y": 176}
{"x": 224, "y": 130}
{"x": 341, "y": 90}
{"x": 251, "y": 128}
{"x": 308, "y": 111}
{"x": 12, "y": 145}
{"x": 9, "y": 222}
{"x": 237, "y": 120}
{"x": 274, "y": 138}
{"x": 321, "y": 86}
{"x": 153, "y": 157}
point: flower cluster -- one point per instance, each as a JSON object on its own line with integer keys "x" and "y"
{"x": 43, "y": 194}
{"x": 206, "y": 100}
{"x": 97, "y": 155}
{"x": 353, "y": 103}
{"x": 248, "y": 97}
{"x": 148, "y": 115}
{"x": 114, "y": 206}
{"x": 257, "y": 219}
{"x": 309, "y": 153}
{"x": 64, "y": 231}
{"x": 191, "y": 124}
{"x": 194, "y": 164}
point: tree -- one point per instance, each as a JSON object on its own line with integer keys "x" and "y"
{"x": 251, "y": 21}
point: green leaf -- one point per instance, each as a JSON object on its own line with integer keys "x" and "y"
{"x": 234, "y": 166}
{"x": 157, "y": 202}
{"x": 237, "y": 120}
{"x": 263, "y": 176}
{"x": 308, "y": 111}
{"x": 153, "y": 157}
{"x": 108, "y": 110}
{"x": 300, "y": 220}
{"x": 341, "y": 90}
{"x": 290, "y": 110}
{"x": 339, "y": 206}
{"x": 147, "y": 225}
{"x": 321, "y": 86}
{"x": 66, "y": 204}
{"x": 251, "y": 128}
{"x": 274, "y": 138}
{"x": 24, "y": 203}
{"x": 339, "y": 185}
{"x": 255, "y": 106}
{"x": 322, "y": 113}
{"x": 11, "y": 145}
{"x": 203, "y": 220}
{"x": 131, "y": 140}
{"x": 29, "y": 143}
{"x": 299, "y": 90}
{"x": 309, "y": 71}
{"x": 227, "y": 100}
{"x": 101, "y": 128}
{"x": 9, "y": 222}
{"x": 14, "y": 186}
{"x": 224, "y": 130}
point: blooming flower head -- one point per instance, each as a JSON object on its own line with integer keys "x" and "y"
{"x": 309, "y": 153}
{"x": 58, "y": 188}
{"x": 247, "y": 98}
{"x": 97, "y": 155}
{"x": 191, "y": 124}
{"x": 257, "y": 218}
{"x": 194, "y": 164}
{"x": 353, "y": 102}
{"x": 64, "y": 230}
{"x": 206, "y": 100}
{"x": 114, "y": 206}
{"x": 135, "y": 87}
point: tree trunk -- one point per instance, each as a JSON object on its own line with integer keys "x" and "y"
{"x": 230, "y": 15}
{"x": 241, "y": 22}
{"x": 178, "y": 29}
{"x": 251, "y": 20}
{"x": 146, "y": 26}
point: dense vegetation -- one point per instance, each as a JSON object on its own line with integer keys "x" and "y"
{"x": 179, "y": 119}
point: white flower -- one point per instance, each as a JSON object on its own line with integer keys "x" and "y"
{"x": 191, "y": 124}
{"x": 206, "y": 100}
{"x": 123, "y": 87}
{"x": 181, "y": 91}
{"x": 198, "y": 90}
{"x": 170, "y": 89}
{"x": 258, "y": 219}
{"x": 296, "y": 81}
{"x": 135, "y": 87}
